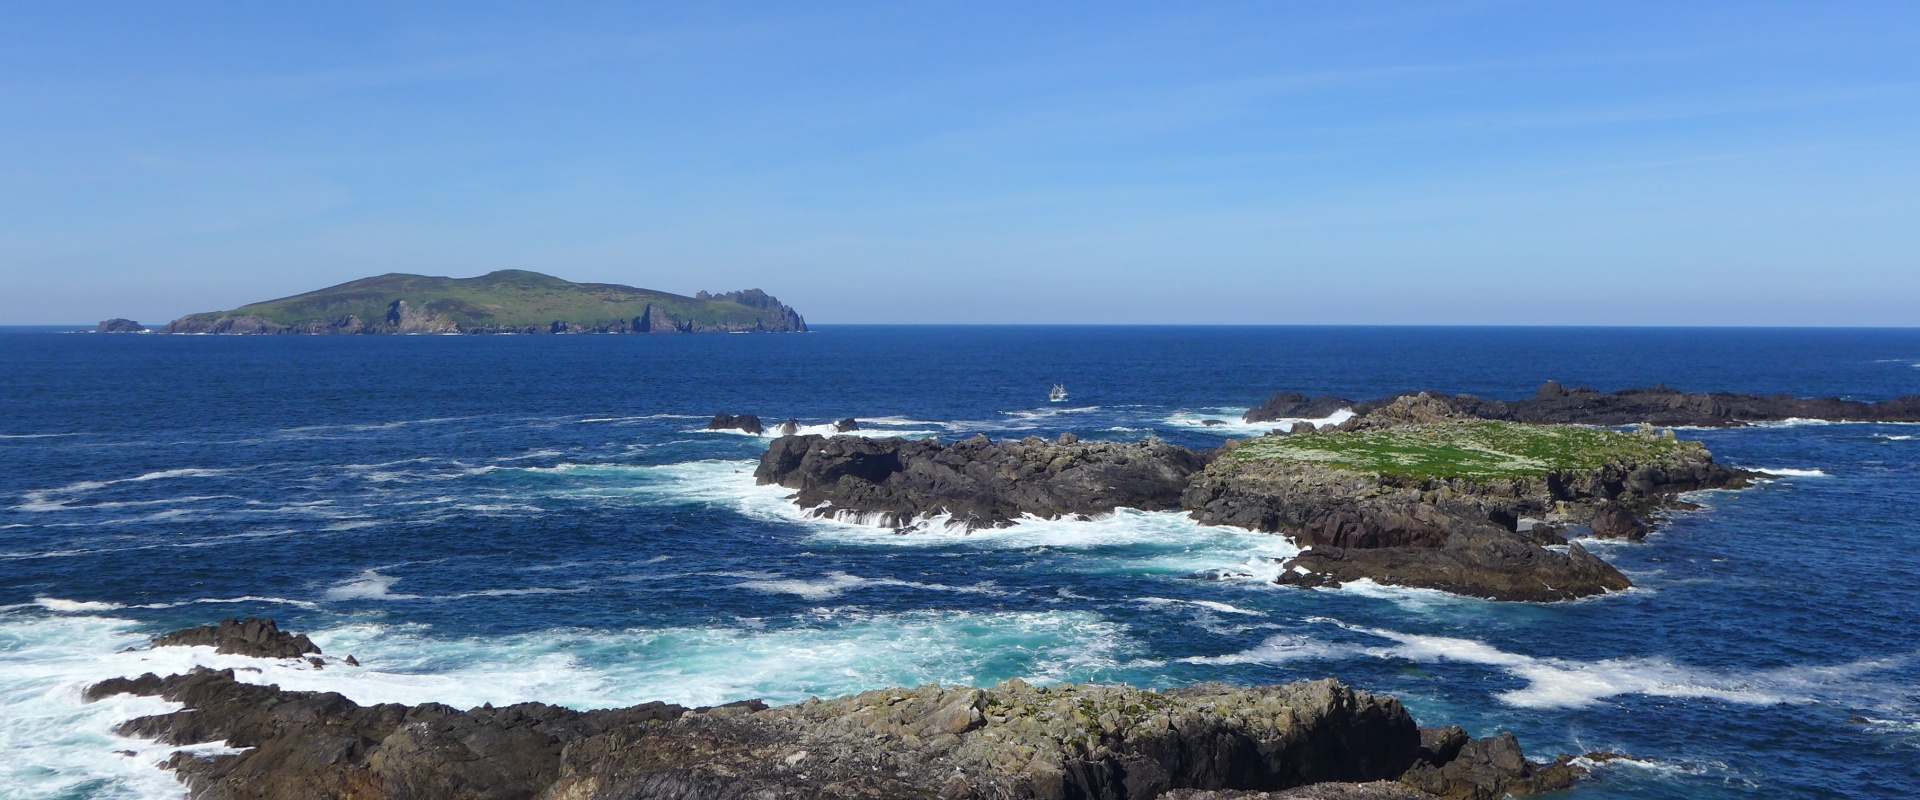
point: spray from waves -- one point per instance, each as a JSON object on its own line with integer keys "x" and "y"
{"x": 57, "y": 746}
{"x": 63, "y": 497}
{"x": 1561, "y": 683}
{"x": 1128, "y": 541}
{"x": 1892, "y": 438}
{"x": 368, "y": 585}
{"x": 1226, "y": 421}
{"x": 1784, "y": 472}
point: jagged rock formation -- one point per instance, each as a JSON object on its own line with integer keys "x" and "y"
{"x": 1553, "y": 403}
{"x": 1012, "y": 740}
{"x": 253, "y": 636}
{"x": 1441, "y": 507}
{"x": 118, "y": 325}
{"x": 744, "y": 422}
{"x": 981, "y": 483}
{"x": 506, "y": 301}
{"x": 1293, "y": 405}
{"x": 1413, "y": 493}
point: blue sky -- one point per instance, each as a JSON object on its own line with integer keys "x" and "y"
{"x": 1339, "y": 162}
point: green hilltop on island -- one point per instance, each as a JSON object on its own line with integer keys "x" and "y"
{"x": 506, "y": 301}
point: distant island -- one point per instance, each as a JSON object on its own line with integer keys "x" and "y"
{"x": 505, "y": 301}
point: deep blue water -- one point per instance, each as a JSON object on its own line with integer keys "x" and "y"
{"x": 492, "y": 519}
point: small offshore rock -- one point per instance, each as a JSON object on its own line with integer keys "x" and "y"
{"x": 744, "y": 422}
{"x": 254, "y": 636}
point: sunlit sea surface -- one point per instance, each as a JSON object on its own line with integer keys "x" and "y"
{"x": 499, "y": 519}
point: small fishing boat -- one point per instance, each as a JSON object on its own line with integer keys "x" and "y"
{"x": 1058, "y": 395}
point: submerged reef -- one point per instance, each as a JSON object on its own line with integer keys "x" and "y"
{"x": 1415, "y": 492}
{"x": 1011, "y": 740}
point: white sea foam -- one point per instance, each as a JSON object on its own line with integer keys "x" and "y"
{"x": 866, "y": 429}
{"x": 62, "y": 498}
{"x": 1785, "y": 472}
{"x": 74, "y": 606}
{"x": 368, "y": 585}
{"x": 1561, "y": 683}
{"x": 641, "y": 418}
{"x": 833, "y": 584}
{"x": 1228, "y": 422}
{"x": 1126, "y": 541}
{"x": 1407, "y": 597}
{"x": 819, "y": 589}
{"x": 57, "y": 746}
{"x": 60, "y": 747}
{"x": 1210, "y": 605}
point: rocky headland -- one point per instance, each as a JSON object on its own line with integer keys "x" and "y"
{"x": 1660, "y": 405}
{"x": 1318, "y": 739}
{"x": 504, "y": 301}
{"x": 1414, "y": 492}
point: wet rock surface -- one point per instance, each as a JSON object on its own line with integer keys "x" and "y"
{"x": 1293, "y": 405}
{"x": 1485, "y": 562}
{"x": 980, "y": 482}
{"x": 743, "y": 422}
{"x": 1012, "y": 740}
{"x": 253, "y": 636}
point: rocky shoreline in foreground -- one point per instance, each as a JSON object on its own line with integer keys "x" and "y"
{"x": 1317, "y": 739}
{"x": 1419, "y": 491}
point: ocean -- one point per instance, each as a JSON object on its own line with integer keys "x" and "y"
{"x": 511, "y": 518}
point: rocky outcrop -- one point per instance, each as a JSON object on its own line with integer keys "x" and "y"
{"x": 1455, "y": 766}
{"x": 744, "y": 422}
{"x": 118, "y": 325}
{"x": 979, "y": 482}
{"x": 253, "y": 636}
{"x": 1612, "y": 520}
{"x": 1293, "y": 405}
{"x": 1553, "y": 403}
{"x": 1012, "y": 740}
{"x": 1460, "y": 534}
{"x": 1477, "y": 562}
{"x": 404, "y": 317}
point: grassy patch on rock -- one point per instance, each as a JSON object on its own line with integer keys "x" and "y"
{"x": 1481, "y": 450}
